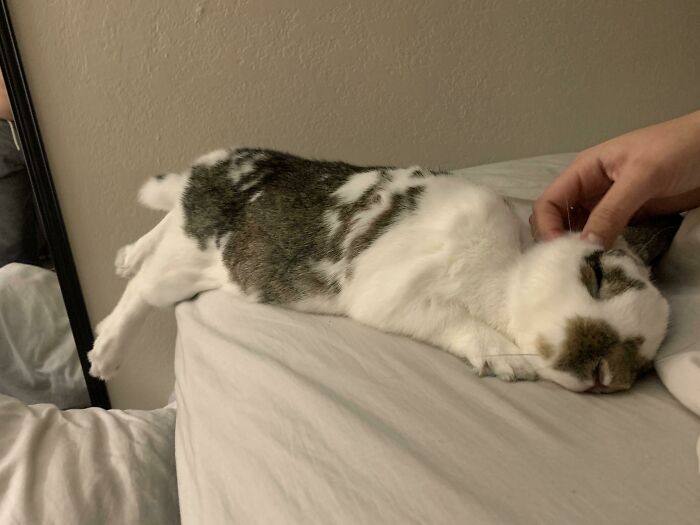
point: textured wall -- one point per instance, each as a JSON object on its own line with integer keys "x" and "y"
{"x": 125, "y": 89}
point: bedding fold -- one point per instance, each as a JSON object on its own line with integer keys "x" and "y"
{"x": 88, "y": 466}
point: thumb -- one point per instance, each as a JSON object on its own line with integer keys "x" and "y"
{"x": 613, "y": 212}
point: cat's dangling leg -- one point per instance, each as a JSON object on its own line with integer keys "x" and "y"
{"x": 130, "y": 257}
{"x": 175, "y": 269}
{"x": 487, "y": 351}
{"x": 115, "y": 330}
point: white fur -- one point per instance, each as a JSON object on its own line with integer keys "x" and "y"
{"x": 353, "y": 190}
{"x": 250, "y": 184}
{"x": 162, "y": 194}
{"x": 211, "y": 158}
{"x": 332, "y": 221}
{"x": 453, "y": 273}
{"x": 255, "y": 196}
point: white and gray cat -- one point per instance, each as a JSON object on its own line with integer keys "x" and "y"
{"x": 410, "y": 251}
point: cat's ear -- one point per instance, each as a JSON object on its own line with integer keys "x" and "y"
{"x": 651, "y": 238}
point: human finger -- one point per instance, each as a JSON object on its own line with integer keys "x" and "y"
{"x": 579, "y": 186}
{"x": 610, "y": 216}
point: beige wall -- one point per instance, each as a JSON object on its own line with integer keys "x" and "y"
{"x": 126, "y": 88}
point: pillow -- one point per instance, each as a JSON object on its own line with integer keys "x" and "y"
{"x": 88, "y": 466}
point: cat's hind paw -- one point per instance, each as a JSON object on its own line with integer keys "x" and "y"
{"x": 103, "y": 364}
{"x": 123, "y": 266}
{"x": 106, "y": 354}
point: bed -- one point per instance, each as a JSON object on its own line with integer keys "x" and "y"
{"x": 286, "y": 417}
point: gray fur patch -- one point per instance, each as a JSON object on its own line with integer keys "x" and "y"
{"x": 209, "y": 203}
{"x": 616, "y": 282}
{"x": 347, "y": 214}
{"x": 651, "y": 239}
{"x": 400, "y": 203}
{"x": 589, "y": 280}
{"x": 590, "y": 341}
{"x": 604, "y": 281}
{"x": 269, "y": 209}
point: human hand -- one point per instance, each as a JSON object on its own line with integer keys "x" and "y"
{"x": 651, "y": 171}
{"x": 5, "y": 109}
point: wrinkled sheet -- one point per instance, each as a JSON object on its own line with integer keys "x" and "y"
{"x": 286, "y": 417}
{"x": 38, "y": 358}
{"x": 87, "y": 466}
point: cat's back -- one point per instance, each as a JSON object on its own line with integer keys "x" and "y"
{"x": 292, "y": 228}
{"x": 226, "y": 186}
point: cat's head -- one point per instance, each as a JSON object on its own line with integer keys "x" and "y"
{"x": 592, "y": 318}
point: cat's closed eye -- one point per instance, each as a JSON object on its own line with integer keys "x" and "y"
{"x": 592, "y": 273}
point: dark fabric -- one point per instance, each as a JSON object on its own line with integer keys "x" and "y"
{"x": 21, "y": 236}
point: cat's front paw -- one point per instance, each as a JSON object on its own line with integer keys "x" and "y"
{"x": 511, "y": 368}
{"x": 491, "y": 354}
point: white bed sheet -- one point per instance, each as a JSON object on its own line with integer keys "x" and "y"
{"x": 285, "y": 417}
{"x": 87, "y": 466}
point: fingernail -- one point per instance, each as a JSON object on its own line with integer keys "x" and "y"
{"x": 592, "y": 238}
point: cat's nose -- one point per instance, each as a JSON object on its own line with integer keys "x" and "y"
{"x": 605, "y": 382}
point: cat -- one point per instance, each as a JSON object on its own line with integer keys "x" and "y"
{"x": 411, "y": 251}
